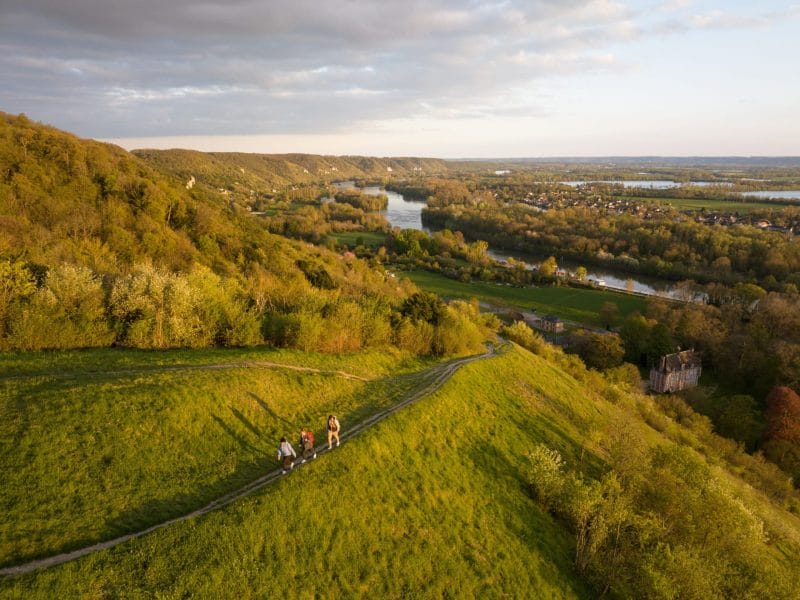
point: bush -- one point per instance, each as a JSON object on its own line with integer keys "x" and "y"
{"x": 545, "y": 474}
{"x": 520, "y": 333}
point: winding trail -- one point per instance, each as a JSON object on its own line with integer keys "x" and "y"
{"x": 174, "y": 368}
{"x": 433, "y": 379}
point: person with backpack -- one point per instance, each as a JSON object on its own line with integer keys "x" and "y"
{"x": 285, "y": 454}
{"x": 333, "y": 430}
{"x": 307, "y": 444}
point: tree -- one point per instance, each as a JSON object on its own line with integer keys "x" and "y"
{"x": 660, "y": 342}
{"x": 635, "y": 334}
{"x": 580, "y": 273}
{"x": 782, "y": 435}
{"x": 548, "y": 267}
{"x": 597, "y": 350}
{"x": 739, "y": 419}
{"x": 424, "y": 306}
{"x": 783, "y": 415}
{"x": 608, "y": 314}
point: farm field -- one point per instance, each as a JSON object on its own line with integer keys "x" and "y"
{"x": 572, "y": 304}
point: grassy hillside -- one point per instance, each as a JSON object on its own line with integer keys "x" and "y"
{"x": 435, "y": 501}
{"x": 121, "y": 440}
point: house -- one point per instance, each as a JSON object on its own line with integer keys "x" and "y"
{"x": 552, "y": 324}
{"x": 675, "y": 372}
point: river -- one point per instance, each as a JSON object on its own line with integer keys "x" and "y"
{"x": 407, "y": 214}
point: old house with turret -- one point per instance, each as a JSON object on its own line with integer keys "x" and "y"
{"x": 675, "y": 372}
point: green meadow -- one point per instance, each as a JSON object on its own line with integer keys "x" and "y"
{"x": 573, "y": 304}
{"x": 431, "y": 502}
{"x": 370, "y": 239}
{"x": 95, "y": 444}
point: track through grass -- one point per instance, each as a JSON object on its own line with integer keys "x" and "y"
{"x": 401, "y": 390}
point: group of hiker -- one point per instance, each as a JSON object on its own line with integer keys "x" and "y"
{"x": 287, "y": 454}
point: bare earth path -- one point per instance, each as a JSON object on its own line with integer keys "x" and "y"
{"x": 432, "y": 380}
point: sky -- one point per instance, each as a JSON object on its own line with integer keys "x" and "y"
{"x": 411, "y": 78}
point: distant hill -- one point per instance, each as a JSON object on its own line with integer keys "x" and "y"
{"x": 265, "y": 173}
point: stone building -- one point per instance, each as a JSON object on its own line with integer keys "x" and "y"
{"x": 675, "y": 372}
{"x": 552, "y": 324}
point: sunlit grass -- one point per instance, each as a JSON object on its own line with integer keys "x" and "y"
{"x": 98, "y": 443}
{"x": 429, "y": 503}
{"x": 574, "y": 304}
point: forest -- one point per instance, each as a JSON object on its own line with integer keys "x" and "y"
{"x": 99, "y": 248}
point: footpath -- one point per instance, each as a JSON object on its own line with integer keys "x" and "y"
{"x": 434, "y": 378}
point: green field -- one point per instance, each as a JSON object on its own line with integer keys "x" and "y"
{"x": 432, "y": 502}
{"x": 370, "y": 239}
{"x": 711, "y": 204}
{"x": 425, "y": 501}
{"x": 572, "y": 304}
{"x": 118, "y": 440}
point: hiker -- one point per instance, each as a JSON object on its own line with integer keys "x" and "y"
{"x": 333, "y": 430}
{"x": 286, "y": 452}
{"x": 307, "y": 444}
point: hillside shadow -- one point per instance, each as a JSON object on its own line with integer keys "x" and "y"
{"x": 246, "y": 422}
{"x": 528, "y": 522}
{"x": 236, "y": 436}
{"x": 265, "y": 407}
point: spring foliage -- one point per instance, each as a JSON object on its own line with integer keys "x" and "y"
{"x": 98, "y": 247}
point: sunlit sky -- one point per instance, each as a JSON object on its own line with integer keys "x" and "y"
{"x": 411, "y": 77}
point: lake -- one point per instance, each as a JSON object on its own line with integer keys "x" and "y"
{"x": 780, "y": 195}
{"x": 650, "y": 184}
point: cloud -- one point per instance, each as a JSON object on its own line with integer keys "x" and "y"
{"x": 116, "y": 68}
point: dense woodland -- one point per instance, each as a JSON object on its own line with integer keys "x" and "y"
{"x": 666, "y": 246}
{"x": 99, "y": 248}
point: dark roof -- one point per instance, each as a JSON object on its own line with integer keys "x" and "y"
{"x": 551, "y": 318}
{"x": 679, "y": 361}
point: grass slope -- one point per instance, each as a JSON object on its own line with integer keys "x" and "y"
{"x": 98, "y": 443}
{"x": 431, "y": 502}
{"x": 574, "y": 304}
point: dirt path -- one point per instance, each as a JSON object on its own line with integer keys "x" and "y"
{"x": 172, "y": 368}
{"x": 435, "y": 377}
